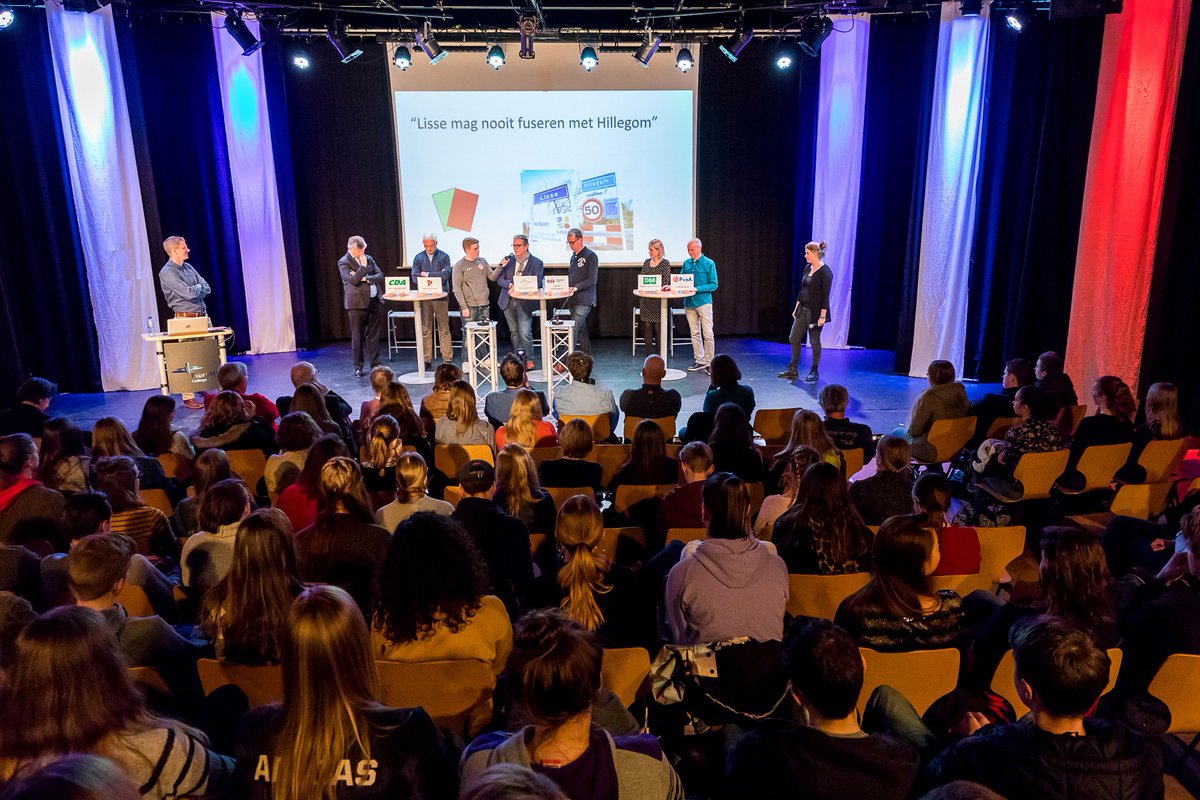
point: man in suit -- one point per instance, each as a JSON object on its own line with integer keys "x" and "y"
{"x": 362, "y": 295}
{"x": 518, "y": 313}
{"x": 582, "y": 275}
{"x": 434, "y": 263}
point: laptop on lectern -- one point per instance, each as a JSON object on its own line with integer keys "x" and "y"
{"x": 177, "y": 325}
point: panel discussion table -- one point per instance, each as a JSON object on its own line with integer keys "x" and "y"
{"x": 416, "y": 298}
{"x": 663, "y": 330}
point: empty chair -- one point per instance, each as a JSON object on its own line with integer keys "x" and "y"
{"x": 922, "y": 676}
{"x": 1175, "y": 684}
{"x": 1036, "y": 473}
{"x": 456, "y": 694}
{"x": 1098, "y": 464}
{"x": 820, "y": 595}
{"x": 1161, "y": 457}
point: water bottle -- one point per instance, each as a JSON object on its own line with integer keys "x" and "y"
{"x": 149, "y": 325}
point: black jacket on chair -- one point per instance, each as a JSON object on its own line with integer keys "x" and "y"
{"x": 356, "y": 293}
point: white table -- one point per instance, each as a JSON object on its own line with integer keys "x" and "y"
{"x": 416, "y": 298}
{"x": 670, "y": 294}
{"x": 542, "y": 296}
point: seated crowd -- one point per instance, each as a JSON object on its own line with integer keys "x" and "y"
{"x": 532, "y": 545}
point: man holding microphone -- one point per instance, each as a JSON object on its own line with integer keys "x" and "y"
{"x": 518, "y": 313}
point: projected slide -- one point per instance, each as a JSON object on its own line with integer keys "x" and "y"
{"x": 615, "y": 164}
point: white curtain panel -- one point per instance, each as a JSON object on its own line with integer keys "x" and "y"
{"x": 255, "y": 193}
{"x": 108, "y": 198}
{"x": 840, "y": 110}
{"x": 951, "y": 190}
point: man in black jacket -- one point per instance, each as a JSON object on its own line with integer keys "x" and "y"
{"x": 1018, "y": 372}
{"x": 362, "y": 295}
{"x": 29, "y": 413}
{"x": 502, "y": 539}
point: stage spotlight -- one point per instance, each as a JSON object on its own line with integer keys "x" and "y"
{"x": 430, "y": 46}
{"x": 300, "y": 60}
{"x": 336, "y": 33}
{"x": 784, "y": 58}
{"x": 401, "y": 59}
{"x": 683, "y": 60}
{"x": 588, "y": 58}
{"x": 737, "y": 42}
{"x": 972, "y": 8}
{"x": 495, "y": 57}
{"x": 7, "y": 17}
{"x": 814, "y": 33}
{"x": 648, "y": 48}
{"x": 240, "y": 32}
{"x": 1017, "y": 20}
{"x": 527, "y": 26}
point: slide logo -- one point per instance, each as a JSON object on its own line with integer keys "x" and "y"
{"x": 456, "y": 208}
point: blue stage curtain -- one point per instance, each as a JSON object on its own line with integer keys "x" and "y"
{"x": 900, "y": 70}
{"x": 171, "y": 87}
{"x": 1041, "y": 95}
{"x": 46, "y": 325}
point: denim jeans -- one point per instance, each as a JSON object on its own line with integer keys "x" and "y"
{"x": 580, "y": 314}
{"x": 518, "y": 320}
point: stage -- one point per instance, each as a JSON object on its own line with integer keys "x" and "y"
{"x": 878, "y": 396}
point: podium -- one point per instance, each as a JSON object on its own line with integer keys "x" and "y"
{"x": 188, "y": 362}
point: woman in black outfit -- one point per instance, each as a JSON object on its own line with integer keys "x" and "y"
{"x": 811, "y": 311}
{"x": 649, "y": 309}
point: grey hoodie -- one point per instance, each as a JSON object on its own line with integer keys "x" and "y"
{"x": 727, "y": 588}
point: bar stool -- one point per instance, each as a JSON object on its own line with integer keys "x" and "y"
{"x": 395, "y": 343}
{"x": 480, "y": 344}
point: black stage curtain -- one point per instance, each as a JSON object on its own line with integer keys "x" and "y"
{"x": 900, "y": 74}
{"x": 1169, "y": 350}
{"x": 339, "y": 117}
{"x": 177, "y": 118}
{"x": 46, "y": 324}
{"x": 1040, "y": 105}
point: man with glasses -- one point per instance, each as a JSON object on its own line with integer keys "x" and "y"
{"x": 434, "y": 263}
{"x": 518, "y": 313}
{"x": 582, "y": 275}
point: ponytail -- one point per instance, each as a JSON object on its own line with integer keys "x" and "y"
{"x": 579, "y": 531}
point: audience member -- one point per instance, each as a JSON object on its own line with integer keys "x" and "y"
{"x": 889, "y": 491}
{"x": 724, "y": 387}
{"x": 331, "y": 731}
{"x": 525, "y": 427}
{"x": 732, "y": 443}
{"x": 828, "y": 756}
{"x": 69, "y": 691}
{"x": 28, "y": 414}
{"x": 944, "y": 399}
{"x": 555, "y": 669}
{"x": 822, "y": 533}
{"x": 806, "y": 430}
{"x": 790, "y": 473}
{"x": 573, "y": 469}
{"x": 519, "y": 493}
{"x": 1018, "y": 372}
{"x": 299, "y": 501}
{"x": 502, "y": 539}
{"x": 209, "y": 467}
{"x": 245, "y": 613}
{"x": 155, "y": 434}
{"x": 1162, "y": 424}
{"x": 308, "y": 399}
{"x": 15, "y": 614}
{"x": 117, "y": 477}
{"x": 343, "y": 546}
{"x": 21, "y": 573}
{"x": 1057, "y": 750}
{"x": 846, "y": 435}
{"x": 435, "y": 404}
{"x": 303, "y": 372}
{"x": 498, "y": 404}
{"x": 297, "y": 433}
{"x": 412, "y": 483}
{"x": 110, "y": 437}
{"x": 731, "y": 584}
{"x": 73, "y": 777}
{"x": 511, "y": 782}
{"x": 380, "y": 377}
{"x": 396, "y": 402}
{"x": 683, "y": 506}
{"x": 28, "y": 510}
{"x": 897, "y": 609}
{"x": 383, "y": 450}
{"x": 958, "y": 547}
{"x": 207, "y": 554}
{"x": 581, "y": 395}
{"x": 227, "y": 425}
{"x": 1111, "y": 424}
{"x": 648, "y": 463}
{"x": 232, "y": 377}
{"x": 460, "y": 424}
{"x": 1052, "y": 379}
{"x": 652, "y": 401}
{"x": 1037, "y": 432}
{"x": 63, "y": 464}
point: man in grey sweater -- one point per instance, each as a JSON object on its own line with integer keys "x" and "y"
{"x": 469, "y": 279}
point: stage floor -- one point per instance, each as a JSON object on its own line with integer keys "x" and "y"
{"x": 878, "y": 396}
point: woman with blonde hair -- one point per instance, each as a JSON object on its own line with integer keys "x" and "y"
{"x": 596, "y": 593}
{"x": 525, "y": 425}
{"x": 110, "y": 437}
{"x": 1162, "y": 423}
{"x": 331, "y": 734}
{"x": 889, "y": 491}
{"x": 412, "y": 482}
{"x": 69, "y": 691}
{"x": 461, "y": 423}
{"x": 650, "y": 309}
{"x": 344, "y": 546}
{"x": 807, "y": 430}
{"x": 520, "y": 493}
{"x": 384, "y": 447}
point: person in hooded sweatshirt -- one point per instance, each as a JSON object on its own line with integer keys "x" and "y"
{"x": 828, "y": 756}
{"x": 729, "y": 584}
{"x": 944, "y": 399}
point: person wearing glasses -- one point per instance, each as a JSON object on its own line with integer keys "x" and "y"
{"x": 434, "y": 263}
{"x": 698, "y": 308}
{"x": 582, "y": 275}
{"x": 518, "y": 313}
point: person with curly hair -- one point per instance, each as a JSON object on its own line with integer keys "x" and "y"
{"x": 296, "y": 434}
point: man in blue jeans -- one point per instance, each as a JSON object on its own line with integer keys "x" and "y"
{"x": 583, "y": 269}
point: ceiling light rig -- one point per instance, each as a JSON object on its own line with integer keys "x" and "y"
{"x": 648, "y": 48}
{"x": 336, "y": 33}
{"x": 813, "y": 34}
{"x": 240, "y": 32}
{"x": 429, "y": 45}
{"x": 495, "y": 56}
{"x": 588, "y": 58}
{"x": 402, "y": 58}
{"x": 684, "y": 61}
{"x": 737, "y": 42}
{"x": 527, "y": 27}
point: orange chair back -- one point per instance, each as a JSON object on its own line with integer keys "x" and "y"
{"x": 922, "y": 676}
{"x": 998, "y": 547}
{"x": 820, "y": 595}
{"x": 1175, "y": 684}
{"x": 685, "y": 535}
{"x": 562, "y": 495}
{"x": 629, "y": 495}
{"x": 601, "y": 429}
{"x": 452, "y": 494}
{"x": 157, "y": 498}
{"x": 249, "y": 465}
{"x": 262, "y": 685}
{"x": 948, "y": 436}
{"x": 774, "y": 424}
{"x": 175, "y": 466}
{"x": 1004, "y": 682}
{"x": 449, "y": 458}
{"x": 135, "y": 600}
{"x": 1100, "y": 462}
{"x": 624, "y": 671}
{"x": 666, "y": 423}
{"x": 451, "y": 692}
{"x": 610, "y": 457}
{"x": 1037, "y": 472}
{"x": 611, "y": 541}
{"x": 757, "y": 495}
{"x": 1001, "y": 426}
{"x": 1161, "y": 457}
{"x": 540, "y": 454}
{"x": 854, "y": 461}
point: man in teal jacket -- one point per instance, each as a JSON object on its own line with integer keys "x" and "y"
{"x": 698, "y": 307}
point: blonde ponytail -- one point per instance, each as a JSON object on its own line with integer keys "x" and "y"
{"x": 581, "y": 577}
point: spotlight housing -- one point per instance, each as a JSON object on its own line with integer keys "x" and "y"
{"x": 402, "y": 58}
{"x": 527, "y": 27}
{"x": 300, "y": 60}
{"x": 648, "y": 48}
{"x": 734, "y": 45}
{"x": 785, "y": 57}
{"x": 7, "y": 17}
{"x": 495, "y": 57}
{"x": 588, "y": 58}
{"x": 240, "y": 32}
{"x": 683, "y": 60}
{"x": 430, "y": 46}
{"x": 336, "y": 33}
{"x": 814, "y": 33}
{"x": 1018, "y": 18}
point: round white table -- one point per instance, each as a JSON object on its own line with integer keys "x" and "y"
{"x": 669, "y": 294}
{"x": 542, "y": 296}
{"x": 416, "y": 298}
